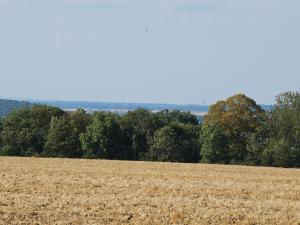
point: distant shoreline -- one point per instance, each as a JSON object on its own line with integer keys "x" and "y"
{"x": 124, "y": 111}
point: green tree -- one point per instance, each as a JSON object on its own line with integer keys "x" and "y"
{"x": 257, "y": 142}
{"x": 214, "y": 144}
{"x": 239, "y": 116}
{"x": 175, "y": 142}
{"x": 283, "y": 148}
{"x": 167, "y": 116}
{"x": 25, "y": 131}
{"x": 103, "y": 137}
{"x": 1, "y": 127}
{"x": 281, "y": 153}
{"x": 139, "y": 127}
{"x": 79, "y": 121}
{"x": 285, "y": 118}
{"x": 61, "y": 139}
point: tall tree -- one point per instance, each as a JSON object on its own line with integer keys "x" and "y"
{"x": 79, "y": 121}
{"x": 284, "y": 145}
{"x": 103, "y": 137}
{"x": 139, "y": 127}
{"x": 61, "y": 139}
{"x": 214, "y": 144}
{"x": 239, "y": 116}
{"x": 1, "y": 127}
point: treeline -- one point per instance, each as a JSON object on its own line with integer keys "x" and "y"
{"x": 235, "y": 131}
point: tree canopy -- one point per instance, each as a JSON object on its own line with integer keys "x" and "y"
{"x": 25, "y": 131}
{"x": 239, "y": 116}
{"x": 103, "y": 137}
{"x": 235, "y": 131}
{"x": 176, "y": 142}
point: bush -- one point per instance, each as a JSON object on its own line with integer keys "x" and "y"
{"x": 214, "y": 144}
{"x": 281, "y": 153}
{"x": 176, "y": 142}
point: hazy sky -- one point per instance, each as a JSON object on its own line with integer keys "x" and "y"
{"x": 168, "y": 51}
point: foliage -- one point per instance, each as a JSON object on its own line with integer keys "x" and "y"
{"x": 285, "y": 119}
{"x": 25, "y": 131}
{"x": 61, "y": 139}
{"x": 214, "y": 144}
{"x": 284, "y": 145}
{"x": 167, "y": 116}
{"x": 139, "y": 127}
{"x": 1, "y": 127}
{"x": 236, "y": 130}
{"x": 79, "y": 121}
{"x": 175, "y": 142}
{"x": 103, "y": 137}
{"x": 257, "y": 142}
{"x": 280, "y": 153}
{"x": 239, "y": 116}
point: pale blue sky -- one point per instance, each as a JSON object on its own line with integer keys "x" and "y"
{"x": 168, "y": 51}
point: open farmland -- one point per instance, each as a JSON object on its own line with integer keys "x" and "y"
{"x": 68, "y": 191}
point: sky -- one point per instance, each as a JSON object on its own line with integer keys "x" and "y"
{"x": 156, "y": 51}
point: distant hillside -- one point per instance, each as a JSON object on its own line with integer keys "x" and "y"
{"x": 110, "y": 106}
{"x": 7, "y": 106}
{"x": 267, "y": 107}
{"x": 123, "y": 107}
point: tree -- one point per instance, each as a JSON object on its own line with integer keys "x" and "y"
{"x": 79, "y": 121}
{"x": 103, "y": 137}
{"x": 214, "y": 144}
{"x": 61, "y": 139}
{"x": 239, "y": 116}
{"x": 281, "y": 153}
{"x": 25, "y": 131}
{"x": 257, "y": 142}
{"x": 167, "y": 116}
{"x": 175, "y": 142}
{"x": 285, "y": 117}
{"x": 283, "y": 148}
{"x": 1, "y": 127}
{"x": 139, "y": 127}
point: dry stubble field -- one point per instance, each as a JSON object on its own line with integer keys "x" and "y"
{"x": 68, "y": 191}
